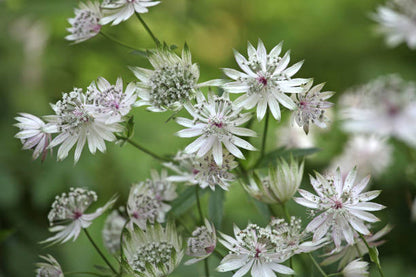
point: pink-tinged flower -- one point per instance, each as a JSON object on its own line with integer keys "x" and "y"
{"x": 67, "y": 216}
{"x": 216, "y": 122}
{"x": 35, "y": 134}
{"x": 342, "y": 206}
{"x": 256, "y": 249}
{"x": 265, "y": 80}
{"x": 117, "y": 11}
{"x": 85, "y": 24}
{"x": 202, "y": 243}
{"x": 311, "y": 106}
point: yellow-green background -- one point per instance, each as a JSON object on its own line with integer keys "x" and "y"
{"x": 335, "y": 38}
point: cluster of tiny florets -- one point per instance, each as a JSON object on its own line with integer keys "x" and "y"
{"x": 154, "y": 253}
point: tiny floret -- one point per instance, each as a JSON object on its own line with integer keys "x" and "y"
{"x": 202, "y": 243}
{"x": 85, "y": 24}
{"x": 50, "y": 268}
{"x": 113, "y": 227}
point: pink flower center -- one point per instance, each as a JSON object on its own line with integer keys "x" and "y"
{"x": 337, "y": 204}
{"x": 195, "y": 171}
{"x": 77, "y": 215}
{"x": 210, "y": 249}
{"x": 258, "y": 251}
{"x": 262, "y": 80}
{"x": 393, "y": 110}
{"x": 218, "y": 124}
{"x": 96, "y": 28}
{"x": 136, "y": 215}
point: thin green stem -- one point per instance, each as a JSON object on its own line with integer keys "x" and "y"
{"x": 264, "y": 139}
{"x": 99, "y": 251}
{"x": 286, "y": 212}
{"x": 148, "y": 152}
{"x": 119, "y": 42}
{"x": 370, "y": 251}
{"x": 157, "y": 42}
{"x": 121, "y": 246}
{"x": 317, "y": 265}
{"x": 81, "y": 272}
{"x": 201, "y": 219}
{"x": 206, "y": 267}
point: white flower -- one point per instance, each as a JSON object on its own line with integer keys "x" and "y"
{"x": 397, "y": 22}
{"x": 343, "y": 208}
{"x": 155, "y": 252}
{"x": 49, "y": 269}
{"x": 85, "y": 24}
{"x": 279, "y": 186}
{"x": 385, "y": 106}
{"x": 146, "y": 200}
{"x": 265, "y": 80}
{"x": 35, "y": 134}
{"x": 311, "y": 106}
{"x": 257, "y": 249}
{"x": 172, "y": 83}
{"x": 117, "y": 11}
{"x": 67, "y": 216}
{"x": 356, "y": 268}
{"x": 78, "y": 123}
{"x": 110, "y": 101}
{"x": 358, "y": 249}
{"x": 113, "y": 227}
{"x": 292, "y": 237}
{"x": 203, "y": 171}
{"x": 372, "y": 154}
{"x": 202, "y": 243}
{"x": 216, "y": 122}
{"x": 294, "y": 137}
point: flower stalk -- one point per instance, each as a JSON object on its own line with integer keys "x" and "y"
{"x": 99, "y": 251}
{"x": 157, "y": 42}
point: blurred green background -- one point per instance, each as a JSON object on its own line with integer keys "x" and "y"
{"x": 335, "y": 38}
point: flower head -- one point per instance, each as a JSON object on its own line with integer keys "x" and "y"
{"x": 203, "y": 171}
{"x": 117, "y": 11}
{"x": 311, "y": 106}
{"x": 265, "y": 80}
{"x": 202, "y": 243}
{"x": 397, "y": 22}
{"x": 348, "y": 253}
{"x": 343, "y": 208}
{"x": 356, "y": 268}
{"x": 113, "y": 227}
{"x": 85, "y": 24}
{"x": 280, "y": 185}
{"x": 384, "y": 107}
{"x": 67, "y": 216}
{"x": 216, "y": 122}
{"x": 35, "y": 134}
{"x": 79, "y": 123}
{"x": 110, "y": 101}
{"x": 255, "y": 248}
{"x": 49, "y": 269}
{"x": 155, "y": 252}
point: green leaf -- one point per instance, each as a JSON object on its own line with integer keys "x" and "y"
{"x": 186, "y": 200}
{"x": 273, "y": 156}
{"x": 373, "y": 252}
{"x": 262, "y": 208}
{"x": 140, "y": 53}
{"x": 216, "y": 207}
{"x": 130, "y": 127}
{"x": 173, "y": 47}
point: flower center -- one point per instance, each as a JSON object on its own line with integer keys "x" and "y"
{"x": 210, "y": 249}
{"x": 337, "y": 204}
{"x": 258, "y": 251}
{"x": 262, "y": 80}
{"x": 77, "y": 214}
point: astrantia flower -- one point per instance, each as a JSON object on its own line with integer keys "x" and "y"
{"x": 343, "y": 208}
{"x": 67, "y": 216}
{"x": 265, "y": 80}
{"x": 257, "y": 249}
{"x": 280, "y": 185}
{"x": 155, "y": 252}
{"x": 78, "y": 123}
{"x": 85, "y": 24}
{"x": 293, "y": 136}
{"x": 117, "y": 11}
{"x": 216, "y": 122}
{"x": 35, "y": 134}
{"x": 372, "y": 154}
{"x": 49, "y": 269}
{"x": 113, "y": 227}
{"x": 397, "y": 22}
{"x": 358, "y": 249}
{"x": 311, "y": 106}
{"x": 172, "y": 83}
{"x": 202, "y": 243}
{"x": 110, "y": 101}
{"x": 146, "y": 201}
{"x": 292, "y": 237}
{"x": 385, "y": 106}
{"x": 356, "y": 268}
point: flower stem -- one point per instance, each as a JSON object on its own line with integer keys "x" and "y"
{"x": 121, "y": 246}
{"x": 81, "y": 273}
{"x": 317, "y": 265}
{"x": 99, "y": 251}
{"x": 119, "y": 42}
{"x": 201, "y": 219}
{"x": 157, "y": 42}
{"x": 263, "y": 142}
{"x": 288, "y": 218}
{"x": 371, "y": 253}
{"x": 148, "y": 152}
